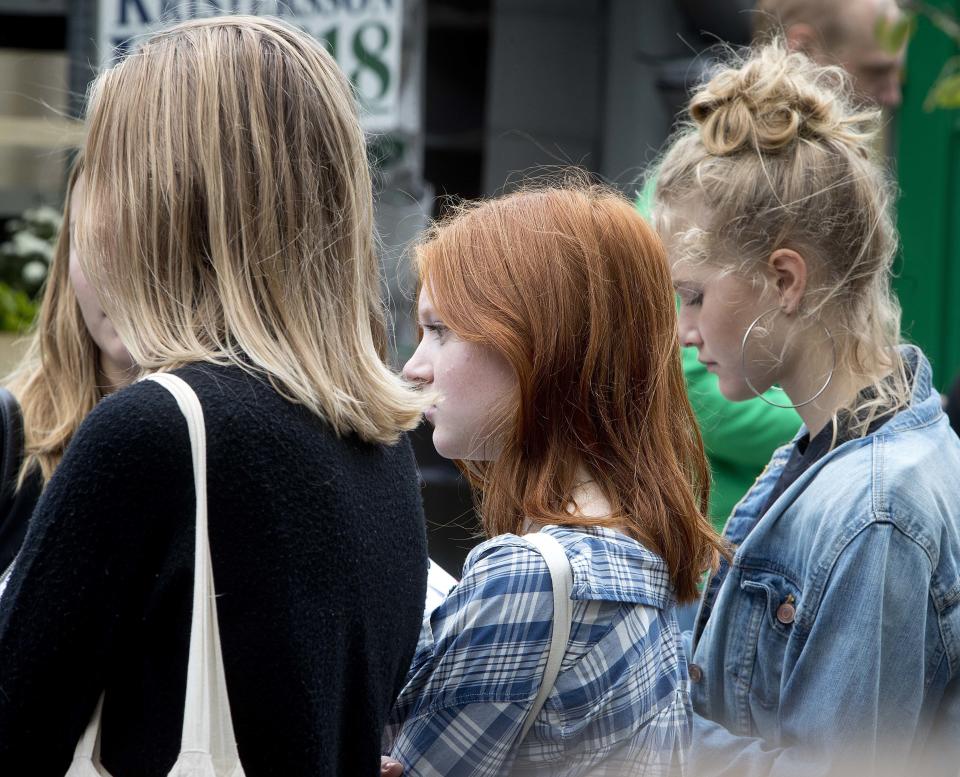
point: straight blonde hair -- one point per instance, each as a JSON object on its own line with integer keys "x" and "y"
{"x": 229, "y": 218}
{"x": 56, "y": 382}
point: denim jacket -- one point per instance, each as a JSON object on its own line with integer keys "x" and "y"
{"x": 837, "y": 625}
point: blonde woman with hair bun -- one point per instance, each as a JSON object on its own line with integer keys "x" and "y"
{"x": 226, "y": 230}
{"x": 831, "y": 634}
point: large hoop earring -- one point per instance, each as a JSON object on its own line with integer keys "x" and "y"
{"x": 758, "y": 394}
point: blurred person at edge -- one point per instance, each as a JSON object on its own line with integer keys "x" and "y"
{"x": 739, "y": 438}
{"x": 830, "y": 635}
{"x": 549, "y": 348}
{"x": 265, "y": 298}
{"x": 74, "y": 359}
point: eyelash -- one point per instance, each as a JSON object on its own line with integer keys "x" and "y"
{"x": 691, "y": 298}
{"x": 437, "y": 329}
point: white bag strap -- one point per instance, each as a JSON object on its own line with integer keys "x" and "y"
{"x": 86, "y": 756}
{"x": 561, "y": 578}
{"x": 208, "y": 744}
{"x": 207, "y": 722}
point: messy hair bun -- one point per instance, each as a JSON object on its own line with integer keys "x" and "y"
{"x": 776, "y": 154}
{"x": 773, "y": 100}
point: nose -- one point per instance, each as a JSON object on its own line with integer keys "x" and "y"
{"x": 892, "y": 96}
{"x": 886, "y": 87}
{"x": 690, "y": 338}
{"x": 689, "y": 332}
{"x": 418, "y": 368}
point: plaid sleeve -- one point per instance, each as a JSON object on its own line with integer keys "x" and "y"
{"x": 466, "y": 699}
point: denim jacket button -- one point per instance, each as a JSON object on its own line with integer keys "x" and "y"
{"x": 696, "y": 673}
{"x": 786, "y": 612}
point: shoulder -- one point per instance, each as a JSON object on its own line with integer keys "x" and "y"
{"x": 123, "y": 472}
{"x": 243, "y": 407}
{"x": 506, "y": 564}
{"x": 489, "y": 635}
{"x": 923, "y": 458}
{"x": 917, "y": 486}
{"x": 606, "y": 565}
{"x": 505, "y": 581}
{"x": 904, "y": 480}
{"x": 133, "y": 440}
{"x": 906, "y": 477}
{"x": 142, "y": 415}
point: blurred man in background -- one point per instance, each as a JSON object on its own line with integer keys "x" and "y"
{"x": 839, "y": 32}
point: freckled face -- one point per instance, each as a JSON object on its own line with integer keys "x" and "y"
{"x": 100, "y": 327}
{"x": 715, "y": 311}
{"x": 475, "y": 386}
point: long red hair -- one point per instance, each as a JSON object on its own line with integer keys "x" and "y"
{"x": 572, "y": 287}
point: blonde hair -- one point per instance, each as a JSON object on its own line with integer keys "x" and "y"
{"x": 229, "y": 218}
{"x": 56, "y": 381}
{"x": 776, "y": 156}
{"x": 572, "y": 288}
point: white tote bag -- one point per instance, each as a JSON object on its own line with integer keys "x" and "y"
{"x": 208, "y": 746}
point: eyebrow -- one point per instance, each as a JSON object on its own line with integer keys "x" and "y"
{"x": 424, "y": 309}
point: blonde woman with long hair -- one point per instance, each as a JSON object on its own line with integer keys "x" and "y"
{"x": 833, "y": 632}
{"x": 227, "y": 231}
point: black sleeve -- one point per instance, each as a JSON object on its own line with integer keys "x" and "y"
{"x": 16, "y": 504}
{"x": 87, "y": 564}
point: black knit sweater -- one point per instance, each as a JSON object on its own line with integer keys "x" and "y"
{"x": 319, "y": 558}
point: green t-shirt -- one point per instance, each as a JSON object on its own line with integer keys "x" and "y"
{"x": 739, "y": 437}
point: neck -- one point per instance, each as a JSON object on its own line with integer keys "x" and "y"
{"x": 111, "y": 375}
{"x": 809, "y": 376}
{"x": 586, "y": 499}
{"x": 816, "y": 415}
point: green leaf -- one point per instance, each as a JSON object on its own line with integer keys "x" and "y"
{"x": 893, "y": 34}
{"x": 946, "y": 22}
{"x": 17, "y": 310}
{"x": 944, "y": 94}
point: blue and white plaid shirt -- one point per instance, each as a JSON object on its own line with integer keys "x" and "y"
{"x": 620, "y": 704}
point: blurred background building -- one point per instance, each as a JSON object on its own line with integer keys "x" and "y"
{"x": 462, "y": 97}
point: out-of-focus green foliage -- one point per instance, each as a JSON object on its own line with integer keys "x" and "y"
{"x": 894, "y": 34}
{"x": 24, "y": 263}
{"x": 945, "y": 92}
{"x": 17, "y": 310}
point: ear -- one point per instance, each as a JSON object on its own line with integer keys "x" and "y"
{"x": 789, "y": 269}
{"x": 802, "y": 37}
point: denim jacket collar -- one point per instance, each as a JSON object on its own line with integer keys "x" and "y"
{"x": 924, "y": 408}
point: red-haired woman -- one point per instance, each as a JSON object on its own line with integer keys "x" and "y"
{"x": 550, "y": 345}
